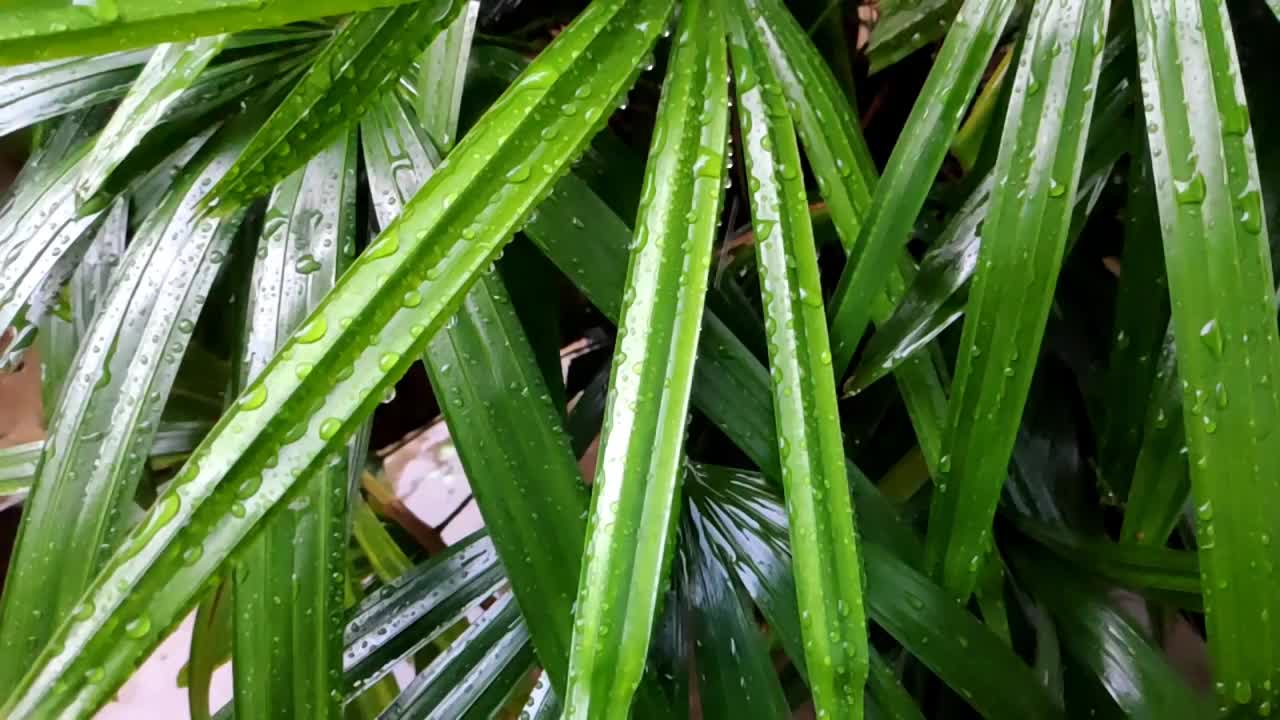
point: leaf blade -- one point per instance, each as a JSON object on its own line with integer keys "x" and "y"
{"x": 828, "y": 572}
{"x": 635, "y": 500}
{"x": 1036, "y": 176}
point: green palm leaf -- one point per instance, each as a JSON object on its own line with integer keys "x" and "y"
{"x": 828, "y": 575}
{"x": 331, "y": 94}
{"x": 288, "y": 586}
{"x": 41, "y": 31}
{"x": 1219, "y": 272}
{"x": 1025, "y": 234}
{"x": 357, "y": 342}
{"x": 635, "y": 496}
{"x": 915, "y": 160}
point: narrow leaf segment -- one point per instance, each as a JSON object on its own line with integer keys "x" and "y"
{"x": 828, "y": 576}
{"x": 911, "y": 169}
{"x": 636, "y": 491}
{"x": 1023, "y": 243}
{"x": 1224, "y": 323}
{"x": 360, "y": 339}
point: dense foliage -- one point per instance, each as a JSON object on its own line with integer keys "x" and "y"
{"x": 897, "y": 361}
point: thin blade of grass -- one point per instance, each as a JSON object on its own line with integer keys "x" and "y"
{"x": 916, "y": 158}
{"x": 635, "y": 500}
{"x": 359, "y": 340}
{"x": 1224, "y": 323}
{"x": 811, "y": 449}
{"x": 1024, "y": 241}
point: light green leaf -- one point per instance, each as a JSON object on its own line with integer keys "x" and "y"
{"x": 828, "y": 574}
{"x": 1224, "y": 323}
{"x": 474, "y": 363}
{"x": 635, "y": 500}
{"x": 34, "y": 31}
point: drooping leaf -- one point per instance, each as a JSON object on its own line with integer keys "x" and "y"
{"x": 736, "y": 678}
{"x": 42, "y": 237}
{"x": 363, "y": 58}
{"x": 914, "y": 162}
{"x": 748, "y": 522}
{"x": 18, "y": 467}
{"x": 1136, "y": 674}
{"x": 1171, "y": 575}
{"x": 359, "y": 340}
{"x": 40, "y": 91}
{"x": 399, "y": 618}
{"x": 168, "y": 72}
{"x": 61, "y": 334}
{"x": 1024, "y": 240}
{"x": 828, "y": 573}
{"x": 1224, "y": 324}
{"x": 635, "y": 497}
